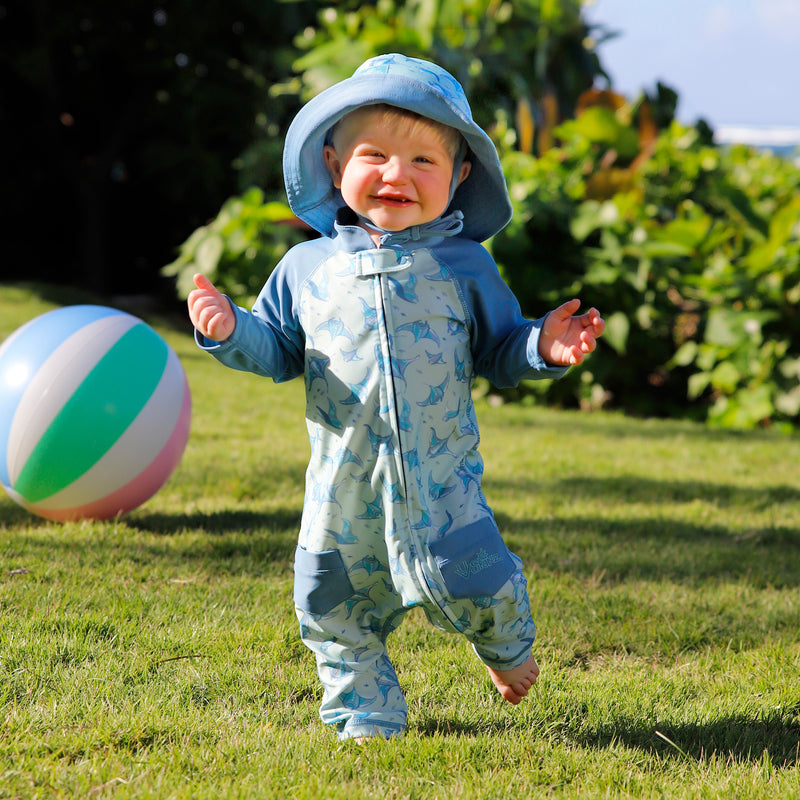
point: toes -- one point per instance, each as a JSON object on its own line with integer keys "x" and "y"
{"x": 508, "y": 693}
{"x": 521, "y": 688}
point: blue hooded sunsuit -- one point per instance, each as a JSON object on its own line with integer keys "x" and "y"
{"x": 389, "y": 340}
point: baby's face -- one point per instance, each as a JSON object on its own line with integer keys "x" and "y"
{"x": 392, "y": 169}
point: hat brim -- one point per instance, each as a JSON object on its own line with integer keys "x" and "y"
{"x": 482, "y": 197}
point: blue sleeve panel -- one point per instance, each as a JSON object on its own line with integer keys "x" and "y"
{"x": 269, "y": 341}
{"x": 505, "y": 345}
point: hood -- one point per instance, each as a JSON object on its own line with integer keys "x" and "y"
{"x": 409, "y": 83}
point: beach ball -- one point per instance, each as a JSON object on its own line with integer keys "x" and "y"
{"x": 94, "y": 413}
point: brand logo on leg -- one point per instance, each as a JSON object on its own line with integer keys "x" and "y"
{"x": 478, "y": 563}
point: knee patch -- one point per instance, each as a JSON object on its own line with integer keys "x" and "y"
{"x": 474, "y": 561}
{"x": 320, "y": 581}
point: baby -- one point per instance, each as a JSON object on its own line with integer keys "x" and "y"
{"x": 390, "y": 316}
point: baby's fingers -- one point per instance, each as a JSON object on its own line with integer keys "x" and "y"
{"x": 566, "y": 310}
{"x": 202, "y": 282}
{"x": 588, "y": 342}
{"x": 596, "y": 321}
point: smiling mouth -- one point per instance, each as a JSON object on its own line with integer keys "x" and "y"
{"x": 393, "y": 200}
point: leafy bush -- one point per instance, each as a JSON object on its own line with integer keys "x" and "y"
{"x": 524, "y": 60}
{"x": 692, "y": 252}
{"x": 239, "y": 248}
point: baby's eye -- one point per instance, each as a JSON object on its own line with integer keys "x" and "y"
{"x": 368, "y": 152}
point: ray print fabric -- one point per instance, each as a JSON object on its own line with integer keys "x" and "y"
{"x": 389, "y": 340}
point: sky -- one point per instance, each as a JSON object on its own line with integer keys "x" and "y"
{"x": 733, "y": 63}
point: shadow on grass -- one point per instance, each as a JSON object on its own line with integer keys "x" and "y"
{"x": 12, "y": 515}
{"x": 623, "y": 427}
{"x": 654, "y": 545}
{"x": 451, "y": 726}
{"x": 239, "y": 542}
{"x": 246, "y": 542}
{"x": 217, "y": 522}
{"x": 735, "y": 738}
{"x": 644, "y": 549}
{"x": 627, "y": 489}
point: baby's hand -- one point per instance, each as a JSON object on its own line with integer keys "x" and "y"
{"x": 210, "y": 311}
{"x": 566, "y": 340}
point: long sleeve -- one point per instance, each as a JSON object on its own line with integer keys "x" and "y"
{"x": 505, "y": 344}
{"x": 269, "y": 340}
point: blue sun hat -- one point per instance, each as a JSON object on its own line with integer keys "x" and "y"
{"x": 408, "y": 83}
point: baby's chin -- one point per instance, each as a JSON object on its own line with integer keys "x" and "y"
{"x": 376, "y": 222}
{"x": 394, "y": 223}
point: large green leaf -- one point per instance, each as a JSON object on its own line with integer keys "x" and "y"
{"x": 617, "y": 329}
{"x": 602, "y": 126}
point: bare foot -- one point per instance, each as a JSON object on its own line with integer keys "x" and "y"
{"x": 515, "y": 683}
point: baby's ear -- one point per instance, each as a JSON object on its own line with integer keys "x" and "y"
{"x": 466, "y": 168}
{"x": 334, "y": 165}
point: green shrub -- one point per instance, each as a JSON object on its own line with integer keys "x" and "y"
{"x": 239, "y": 248}
{"x": 691, "y": 252}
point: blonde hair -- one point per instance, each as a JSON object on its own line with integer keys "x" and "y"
{"x": 389, "y": 113}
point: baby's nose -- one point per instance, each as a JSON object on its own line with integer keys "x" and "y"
{"x": 395, "y": 171}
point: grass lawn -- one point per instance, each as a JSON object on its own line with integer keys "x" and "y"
{"x": 157, "y": 655}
